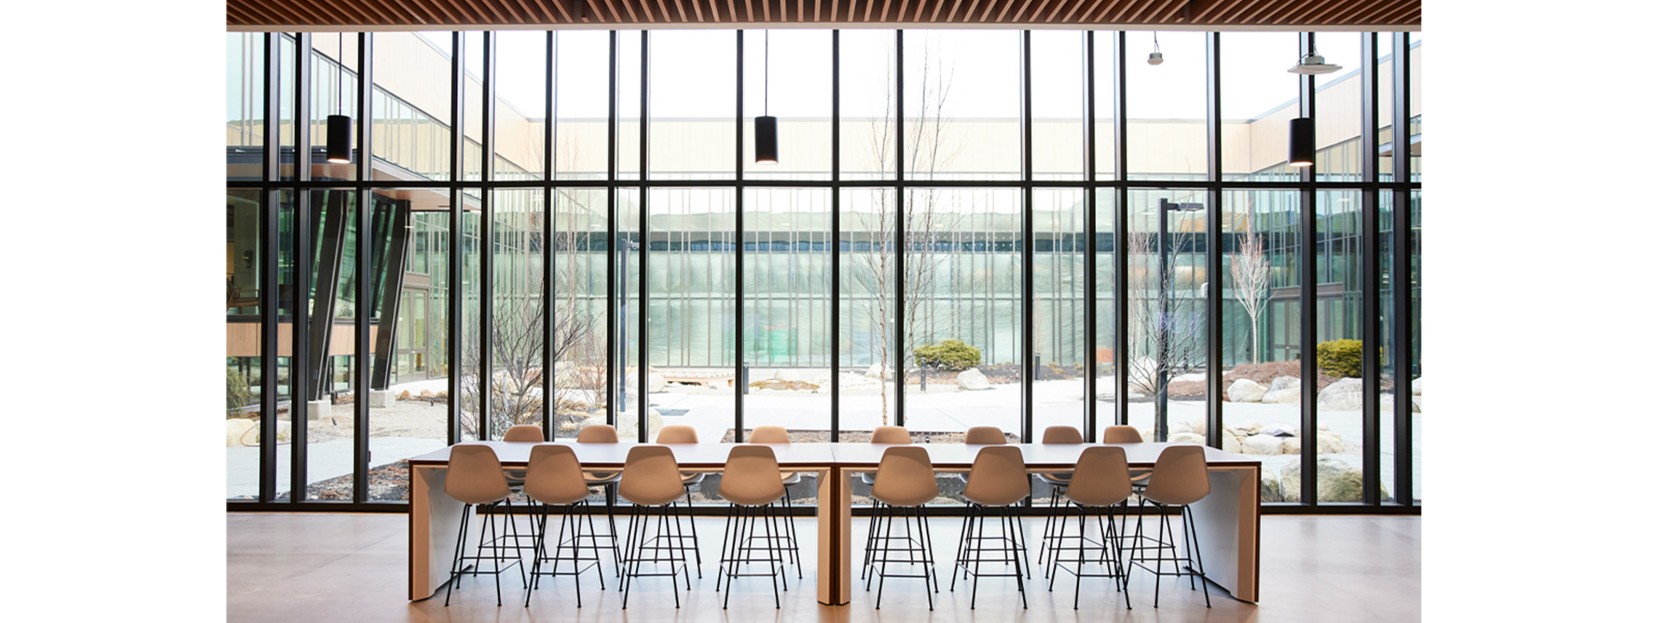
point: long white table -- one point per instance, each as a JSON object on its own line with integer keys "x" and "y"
{"x": 1228, "y": 520}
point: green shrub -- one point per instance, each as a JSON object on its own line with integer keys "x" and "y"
{"x": 237, "y": 393}
{"x": 1339, "y": 358}
{"x": 949, "y": 355}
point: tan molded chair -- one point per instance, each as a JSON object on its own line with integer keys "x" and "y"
{"x": 884, "y": 435}
{"x": 781, "y": 436}
{"x": 554, "y": 478}
{"x": 750, "y": 484}
{"x": 651, "y": 481}
{"x": 682, "y": 434}
{"x": 1180, "y": 478}
{"x": 985, "y": 435}
{"x": 475, "y": 478}
{"x": 524, "y": 432}
{"x": 1100, "y": 484}
{"x": 996, "y": 482}
{"x": 1126, "y": 434}
{"x": 604, "y": 433}
{"x": 905, "y": 483}
{"x": 1057, "y": 487}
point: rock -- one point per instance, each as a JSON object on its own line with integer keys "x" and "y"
{"x": 1247, "y": 429}
{"x": 1415, "y": 407}
{"x": 1246, "y": 390}
{"x": 1329, "y": 443}
{"x": 318, "y": 409}
{"x": 972, "y": 380}
{"x": 878, "y": 371}
{"x": 656, "y": 382}
{"x": 1187, "y": 426}
{"x": 1418, "y": 386}
{"x": 240, "y": 432}
{"x": 1284, "y": 382}
{"x": 381, "y": 399}
{"x": 1261, "y": 444}
{"x": 1335, "y": 481}
{"x": 1291, "y": 445}
{"x": 1230, "y": 443}
{"x": 1191, "y": 377}
{"x": 1287, "y": 396}
{"x": 1344, "y": 395}
{"x": 1187, "y": 438}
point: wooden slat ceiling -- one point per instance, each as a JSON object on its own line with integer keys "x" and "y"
{"x": 1168, "y": 14}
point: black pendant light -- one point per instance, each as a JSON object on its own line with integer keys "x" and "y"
{"x": 340, "y": 125}
{"x": 1302, "y": 142}
{"x": 766, "y": 125}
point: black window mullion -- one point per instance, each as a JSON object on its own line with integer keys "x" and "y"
{"x": 740, "y": 386}
{"x": 1400, "y": 275}
{"x": 302, "y": 200}
{"x": 1028, "y": 361}
{"x": 899, "y": 239}
{"x": 269, "y": 295}
{"x": 1213, "y": 241}
{"x": 835, "y": 233}
{"x": 1091, "y": 310}
{"x": 1371, "y": 375}
{"x": 486, "y": 237}
{"x": 457, "y": 144}
{"x": 1309, "y": 292}
{"x": 1121, "y": 228}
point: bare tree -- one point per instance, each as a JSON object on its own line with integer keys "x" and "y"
{"x": 926, "y": 223}
{"x": 1182, "y": 321}
{"x": 1250, "y": 277}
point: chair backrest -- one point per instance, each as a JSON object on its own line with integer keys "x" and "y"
{"x": 524, "y": 432}
{"x": 651, "y": 477}
{"x": 998, "y": 477}
{"x": 1102, "y": 477}
{"x": 751, "y": 476}
{"x": 1062, "y": 434}
{"x": 677, "y": 433}
{"x": 475, "y": 475}
{"x": 555, "y": 476}
{"x": 597, "y": 433}
{"x": 905, "y": 477}
{"x": 985, "y": 435}
{"x": 769, "y": 434}
{"x": 1121, "y": 434}
{"x": 1179, "y": 476}
{"x": 890, "y": 434}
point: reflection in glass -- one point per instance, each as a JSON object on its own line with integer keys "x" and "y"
{"x": 1167, "y": 341}
{"x": 1262, "y": 334}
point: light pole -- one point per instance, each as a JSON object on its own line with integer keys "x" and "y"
{"x": 1161, "y": 406}
{"x": 622, "y": 317}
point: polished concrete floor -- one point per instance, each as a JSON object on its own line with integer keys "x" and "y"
{"x": 351, "y": 567}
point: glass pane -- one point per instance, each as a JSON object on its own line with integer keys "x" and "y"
{"x": 693, "y": 103}
{"x": 786, "y": 254}
{"x": 521, "y": 105}
{"x": 1057, "y": 316}
{"x": 285, "y": 106}
{"x": 1386, "y": 108}
{"x": 334, "y": 308}
{"x": 472, "y": 103}
{"x": 577, "y": 338}
{"x": 1339, "y": 353}
{"x": 868, "y": 243}
{"x": 626, "y": 315}
{"x": 1106, "y": 94}
{"x": 1058, "y": 105}
{"x": 1417, "y": 248}
{"x": 868, "y": 83}
{"x": 1390, "y": 348}
{"x": 629, "y": 83}
{"x": 1166, "y": 106}
{"x": 962, "y": 105}
{"x": 1259, "y": 99}
{"x": 796, "y": 90}
{"x": 244, "y": 233}
{"x": 580, "y": 105}
{"x": 1337, "y": 108}
{"x": 287, "y": 252}
{"x": 1167, "y": 342}
{"x": 1415, "y": 92}
{"x": 516, "y": 323}
{"x": 470, "y": 293}
{"x": 691, "y": 267}
{"x": 412, "y": 103}
{"x": 244, "y": 105}
{"x": 1261, "y": 332}
{"x": 1106, "y": 309}
{"x": 333, "y": 61}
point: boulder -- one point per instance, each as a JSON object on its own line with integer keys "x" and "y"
{"x": 1418, "y": 386}
{"x": 1344, "y": 395}
{"x": 1230, "y": 443}
{"x": 318, "y": 409}
{"x": 1261, "y": 444}
{"x": 1287, "y": 396}
{"x": 1192, "y": 438}
{"x": 1336, "y": 481}
{"x": 1291, "y": 445}
{"x": 656, "y": 382}
{"x": 1284, "y": 382}
{"x": 240, "y": 432}
{"x": 1329, "y": 443}
{"x": 1415, "y": 406}
{"x": 878, "y": 371}
{"x": 628, "y": 424}
{"x": 381, "y": 399}
{"x": 1247, "y": 429}
{"x": 972, "y": 380}
{"x": 1187, "y": 426}
{"x": 1246, "y": 390}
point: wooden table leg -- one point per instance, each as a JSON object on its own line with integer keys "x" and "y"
{"x": 835, "y": 537}
{"x": 1228, "y": 523}
{"x": 433, "y": 520}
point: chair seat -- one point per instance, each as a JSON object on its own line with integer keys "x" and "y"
{"x": 869, "y": 478}
{"x": 600, "y": 478}
{"x": 790, "y": 478}
{"x": 1057, "y": 478}
{"x": 691, "y": 478}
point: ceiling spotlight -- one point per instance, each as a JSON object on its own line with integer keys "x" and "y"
{"x": 1157, "y": 57}
{"x": 1312, "y": 64}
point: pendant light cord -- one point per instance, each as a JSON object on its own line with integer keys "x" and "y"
{"x": 340, "y": 62}
{"x": 766, "y": 74}
{"x": 1155, "y": 41}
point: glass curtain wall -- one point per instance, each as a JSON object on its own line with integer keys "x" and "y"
{"x": 500, "y": 265}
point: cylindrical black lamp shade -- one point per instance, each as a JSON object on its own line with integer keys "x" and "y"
{"x": 1302, "y": 142}
{"x": 766, "y": 140}
{"x": 340, "y": 138}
